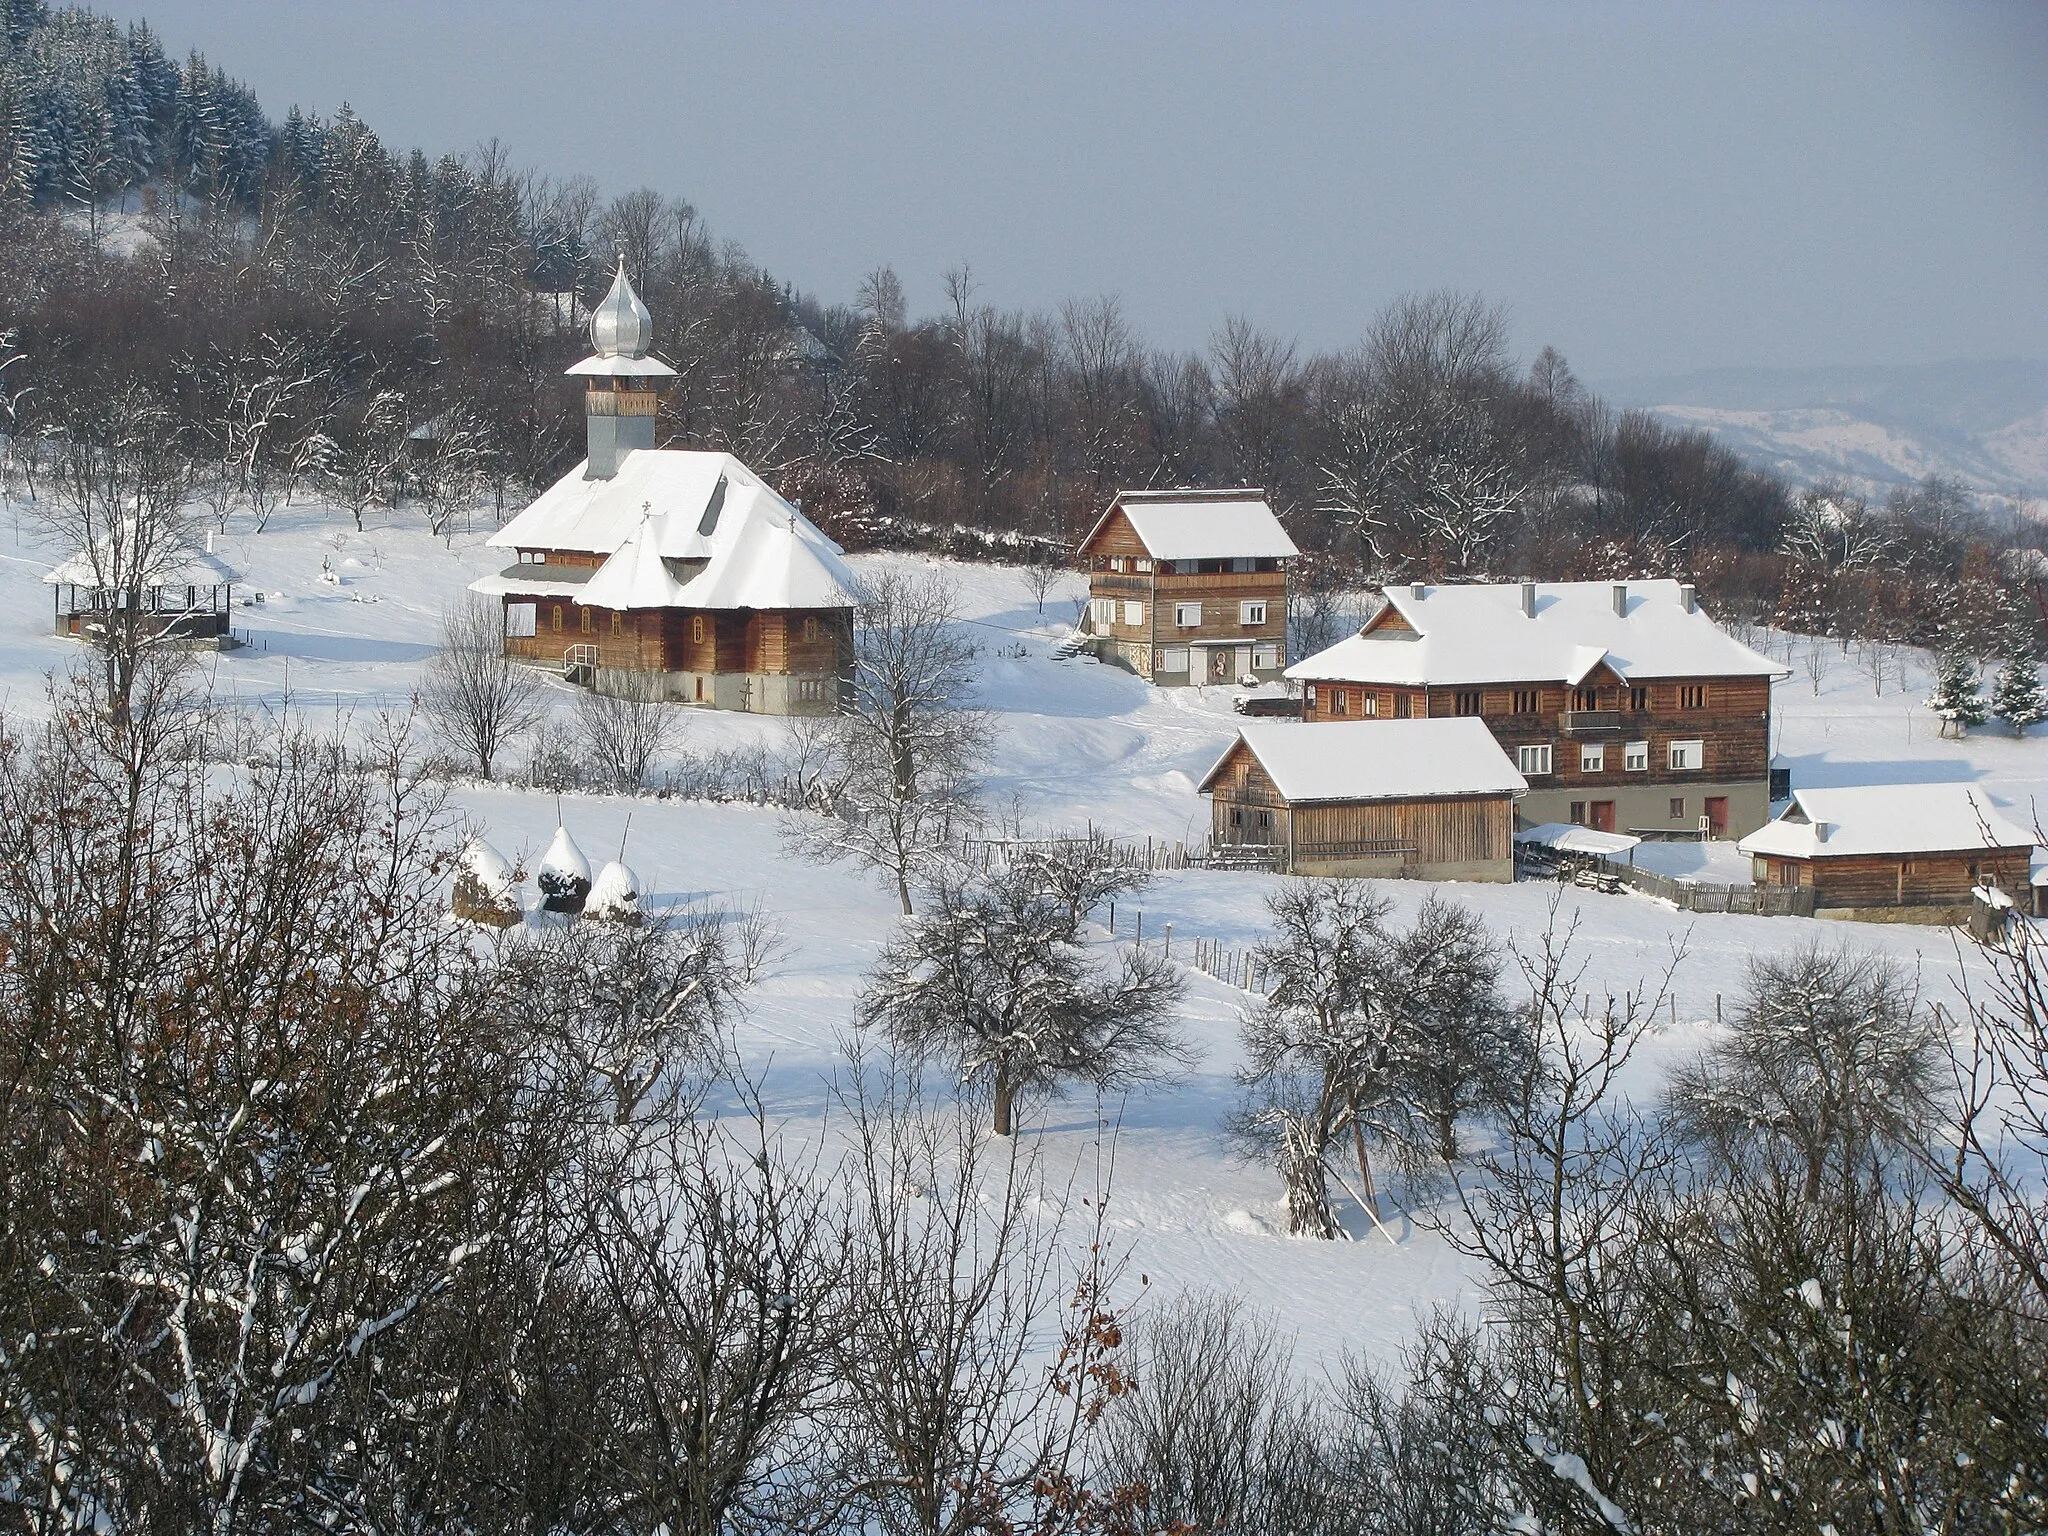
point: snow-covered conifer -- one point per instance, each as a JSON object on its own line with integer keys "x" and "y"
{"x": 1956, "y": 698}
{"x": 2018, "y": 698}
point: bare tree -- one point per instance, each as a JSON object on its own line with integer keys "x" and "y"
{"x": 908, "y": 742}
{"x": 626, "y": 729}
{"x": 1816, "y": 662}
{"x": 477, "y": 698}
{"x": 1041, "y": 576}
{"x": 995, "y": 981}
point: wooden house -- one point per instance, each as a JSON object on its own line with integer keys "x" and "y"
{"x": 1898, "y": 851}
{"x": 1422, "y": 799}
{"x": 1625, "y": 706}
{"x": 667, "y": 573}
{"x": 1189, "y": 586}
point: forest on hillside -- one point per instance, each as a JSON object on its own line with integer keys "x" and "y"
{"x": 311, "y": 311}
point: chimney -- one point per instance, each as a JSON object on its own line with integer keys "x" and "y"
{"x": 1621, "y": 600}
{"x": 1415, "y": 590}
{"x": 1821, "y": 830}
{"x": 1688, "y": 599}
{"x": 1528, "y": 599}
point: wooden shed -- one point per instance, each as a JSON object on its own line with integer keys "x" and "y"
{"x": 1422, "y": 799}
{"x": 1892, "y": 852}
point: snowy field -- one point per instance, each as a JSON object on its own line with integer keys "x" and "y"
{"x": 1079, "y": 744}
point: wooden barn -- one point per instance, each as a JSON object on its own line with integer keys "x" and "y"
{"x": 1897, "y": 852}
{"x": 670, "y": 573}
{"x": 1421, "y": 799}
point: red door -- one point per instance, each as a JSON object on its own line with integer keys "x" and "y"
{"x": 1603, "y": 815}
{"x": 1717, "y": 815}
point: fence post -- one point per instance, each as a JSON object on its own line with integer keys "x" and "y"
{"x": 1169, "y": 941}
{"x": 1140, "y": 938}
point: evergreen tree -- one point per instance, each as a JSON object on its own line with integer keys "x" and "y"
{"x": 2018, "y": 698}
{"x": 1956, "y": 699}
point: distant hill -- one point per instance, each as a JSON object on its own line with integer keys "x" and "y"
{"x": 1986, "y": 423}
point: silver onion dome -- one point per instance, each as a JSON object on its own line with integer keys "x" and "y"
{"x": 620, "y": 325}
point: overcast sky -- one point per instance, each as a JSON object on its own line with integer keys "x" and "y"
{"x": 1651, "y": 187}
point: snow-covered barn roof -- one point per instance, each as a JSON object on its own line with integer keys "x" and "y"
{"x": 1202, "y": 525}
{"x": 681, "y": 529}
{"x": 1880, "y": 819}
{"x": 1376, "y": 759}
{"x": 1477, "y": 632}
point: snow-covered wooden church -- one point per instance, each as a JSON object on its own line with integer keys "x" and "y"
{"x": 666, "y": 572}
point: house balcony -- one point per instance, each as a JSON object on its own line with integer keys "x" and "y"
{"x": 1593, "y": 722}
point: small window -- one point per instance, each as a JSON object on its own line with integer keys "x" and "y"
{"x": 1265, "y": 819}
{"x": 1585, "y": 698}
{"x": 1578, "y": 813}
{"x": 1639, "y": 699}
{"x": 589, "y": 620}
{"x": 1534, "y": 759}
{"x": 555, "y": 618}
{"x": 1593, "y": 758}
{"x": 1266, "y": 657}
{"x": 1678, "y": 807}
{"x": 1466, "y": 703}
{"x": 1144, "y": 566}
{"x": 1174, "y": 659}
{"x": 1687, "y": 755}
{"x": 1635, "y": 757}
{"x": 618, "y": 624}
{"x": 1340, "y": 702}
{"x": 1372, "y": 703}
{"x": 1237, "y": 816}
{"x": 1527, "y": 701}
{"x": 1102, "y": 611}
{"x": 1692, "y": 695}
{"x": 1308, "y": 696}
{"x": 810, "y": 629}
{"x": 1251, "y": 613}
{"x": 810, "y": 690}
{"x": 1243, "y": 566}
{"x": 1404, "y": 706}
{"x": 1187, "y": 615}
{"x": 1134, "y": 615}
{"x": 696, "y": 629}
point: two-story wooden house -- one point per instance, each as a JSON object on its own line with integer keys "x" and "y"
{"x": 1624, "y": 705}
{"x": 1189, "y": 586}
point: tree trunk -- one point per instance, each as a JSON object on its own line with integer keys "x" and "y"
{"x": 1005, "y": 1105}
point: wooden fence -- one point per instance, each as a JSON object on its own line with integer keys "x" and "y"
{"x": 1704, "y": 896}
{"x": 1151, "y": 855}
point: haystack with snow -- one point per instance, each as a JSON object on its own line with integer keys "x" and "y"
{"x": 564, "y": 877}
{"x": 486, "y": 887}
{"x": 614, "y": 896}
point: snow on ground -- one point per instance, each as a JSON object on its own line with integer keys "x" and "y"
{"x": 1079, "y": 744}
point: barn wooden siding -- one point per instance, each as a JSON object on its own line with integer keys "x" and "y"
{"x": 1892, "y": 880}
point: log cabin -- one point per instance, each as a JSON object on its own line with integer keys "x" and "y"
{"x": 1904, "y": 852}
{"x": 666, "y": 573}
{"x": 1625, "y": 706}
{"x": 1417, "y": 799}
{"x": 1189, "y": 586}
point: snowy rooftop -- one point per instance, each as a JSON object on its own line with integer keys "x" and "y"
{"x": 1885, "y": 819}
{"x": 683, "y": 529}
{"x": 1202, "y": 525}
{"x": 176, "y": 565}
{"x": 1570, "y": 837}
{"x": 1477, "y": 633}
{"x": 1377, "y": 759}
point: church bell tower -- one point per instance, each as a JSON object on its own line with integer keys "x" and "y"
{"x": 621, "y": 382}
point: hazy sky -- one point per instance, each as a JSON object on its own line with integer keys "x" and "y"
{"x": 1651, "y": 187}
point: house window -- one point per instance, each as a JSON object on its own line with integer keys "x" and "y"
{"x": 589, "y": 620}
{"x": 1635, "y": 757}
{"x": 1678, "y": 807}
{"x": 1243, "y": 566}
{"x": 1692, "y": 695}
{"x": 810, "y": 690}
{"x": 618, "y": 624}
{"x": 1687, "y": 755}
{"x": 1102, "y": 612}
{"x": 1144, "y": 566}
{"x": 1526, "y": 701}
{"x": 1187, "y": 615}
{"x": 1372, "y": 703}
{"x": 1174, "y": 659}
{"x": 1403, "y": 706}
{"x": 555, "y": 618}
{"x": 1237, "y": 816}
{"x": 696, "y": 629}
{"x": 1134, "y": 615}
{"x": 1585, "y": 698}
{"x": 1639, "y": 699}
{"x": 1534, "y": 759}
{"x": 1340, "y": 702}
{"x": 1267, "y": 657}
{"x": 1466, "y": 704}
{"x": 1308, "y": 696}
{"x": 1265, "y": 819}
{"x": 1593, "y": 757}
{"x": 810, "y": 629}
{"x": 1251, "y": 613}
{"x": 1578, "y": 813}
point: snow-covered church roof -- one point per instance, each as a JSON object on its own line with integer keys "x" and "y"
{"x": 1479, "y": 632}
{"x": 681, "y": 529}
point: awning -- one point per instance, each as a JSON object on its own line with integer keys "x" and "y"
{"x": 1568, "y": 837}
